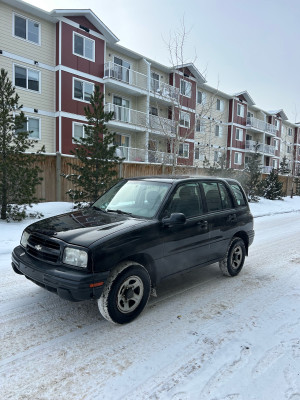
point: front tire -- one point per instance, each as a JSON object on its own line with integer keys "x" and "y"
{"x": 126, "y": 293}
{"x": 233, "y": 262}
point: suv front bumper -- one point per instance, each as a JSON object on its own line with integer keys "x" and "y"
{"x": 67, "y": 283}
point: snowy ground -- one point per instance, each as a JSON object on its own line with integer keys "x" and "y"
{"x": 204, "y": 337}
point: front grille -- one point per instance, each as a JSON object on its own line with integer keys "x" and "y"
{"x": 43, "y": 248}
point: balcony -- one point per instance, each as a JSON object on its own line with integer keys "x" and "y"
{"x": 251, "y": 145}
{"x": 266, "y": 170}
{"x": 269, "y": 149}
{"x": 143, "y": 155}
{"x": 261, "y": 125}
{"x": 165, "y": 125}
{"x": 127, "y": 116}
{"x": 123, "y": 78}
{"x": 163, "y": 91}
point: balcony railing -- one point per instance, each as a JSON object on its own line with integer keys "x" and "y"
{"x": 143, "y": 155}
{"x": 266, "y": 170}
{"x": 165, "y": 125}
{"x": 261, "y": 125}
{"x": 164, "y": 90}
{"x": 251, "y": 145}
{"x": 126, "y": 115}
{"x": 125, "y": 75}
{"x": 268, "y": 149}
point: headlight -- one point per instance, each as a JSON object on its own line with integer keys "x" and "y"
{"x": 24, "y": 239}
{"x": 75, "y": 257}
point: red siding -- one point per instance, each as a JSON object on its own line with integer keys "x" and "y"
{"x": 68, "y": 104}
{"x": 76, "y": 62}
{"x": 189, "y": 102}
{"x": 85, "y": 22}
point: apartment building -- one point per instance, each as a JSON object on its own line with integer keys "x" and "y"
{"x": 55, "y": 60}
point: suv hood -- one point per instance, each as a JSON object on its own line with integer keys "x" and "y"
{"x": 83, "y": 227}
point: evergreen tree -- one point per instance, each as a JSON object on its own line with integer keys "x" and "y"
{"x": 19, "y": 175}
{"x": 271, "y": 187}
{"x": 284, "y": 167}
{"x": 96, "y": 170}
{"x": 253, "y": 174}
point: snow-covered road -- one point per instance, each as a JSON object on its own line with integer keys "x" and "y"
{"x": 204, "y": 337}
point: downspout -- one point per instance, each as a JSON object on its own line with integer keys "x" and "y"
{"x": 148, "y": 64}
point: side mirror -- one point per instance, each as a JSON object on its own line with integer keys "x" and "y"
{"x": 174, "y": 219}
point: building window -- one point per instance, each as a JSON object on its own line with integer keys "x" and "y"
{"x": 154, "y": 82}
{"x": 290, "y": 131}
{"x": 198, "y": 155}
{"x": 240, "y": 110}
{"x": 184, "y": 150}
{"x": 200, "y": 125}
{"x": 218, "y": 130}
{"x": 277, "y": 124}
{"x": 78, "y": 131}
{"x": 82, "y": 90}
{"x": 220, "y": 105}
{"x": 276, "y": 143}
{"x": 121, "y": 69}
{"x": 153, "y": 111}
{"x": 200, "y": 97}
{"x": 33, "y": 126}
{"x": 274, "y": 164}
{"x": 184, "y": 119}
{"x": 27, "y": 29}
{"x": 239, "y": 134}
{"x": 299, "y": 151}
{"x": 186, "y": 88}
{"x": 289, "y": 149}
{"x": 83, "y": 46}
{"x": 121, "y": 109}
{"x": 238, "y": 158}
{"x": 250, "y": 114}
{"x": 27, "y": 78}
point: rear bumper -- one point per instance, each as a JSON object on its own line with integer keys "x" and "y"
{"x": 67, "y": 283}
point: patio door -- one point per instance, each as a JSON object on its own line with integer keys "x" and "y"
{"x": 121, "y": 109}
{"x": 122, "y": 69}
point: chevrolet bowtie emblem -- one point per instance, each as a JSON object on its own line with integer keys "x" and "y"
{"x": 38, "y": 247}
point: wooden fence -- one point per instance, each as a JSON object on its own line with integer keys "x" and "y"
{"x": 54, "y": 186}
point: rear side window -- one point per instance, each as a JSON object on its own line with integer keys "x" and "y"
{"x": 238, "y": 194}
{"x": 212, "y": 195}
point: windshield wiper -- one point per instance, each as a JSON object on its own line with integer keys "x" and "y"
{"x": 119, "y": 212}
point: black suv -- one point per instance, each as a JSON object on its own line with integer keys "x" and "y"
{"x": 139, "y": 232}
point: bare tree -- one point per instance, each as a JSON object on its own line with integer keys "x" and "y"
{"x": 182, "y": 122}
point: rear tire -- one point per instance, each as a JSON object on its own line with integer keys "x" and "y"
{"x": 125, "y": 293}
{"x": 233, "y": 262}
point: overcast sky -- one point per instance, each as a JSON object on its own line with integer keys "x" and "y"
{"x": 248, "y": 45}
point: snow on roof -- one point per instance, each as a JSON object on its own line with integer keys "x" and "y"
{"x": 280, "y": 112}
{"x": 247, "y": 96}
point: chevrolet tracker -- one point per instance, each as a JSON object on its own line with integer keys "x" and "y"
{"x": 139, "y": 232}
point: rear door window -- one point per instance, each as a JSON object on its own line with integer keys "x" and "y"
{"x": 217, "y": 196}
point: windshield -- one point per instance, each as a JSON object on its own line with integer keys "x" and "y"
{"x": 136, "y": 198}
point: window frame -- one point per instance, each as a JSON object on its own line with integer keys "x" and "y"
{"x": 239, "y": 156}
{"x": 27, "y": 127}
{"x": 73, "y": 130}
{"x": 221, "y": 105}
{"x": 239, "y": 134}
{"x": 84, "y": 38}
{"x": 182, "y": 117}
{"x": 185, "y": 83}
{"x": 220, "y": 130}
{"x": 14, "y": 14}
{"x": 240, "y": 110}
{"x": 203, "y": 97}
{"x": 290, "y": 131}
{"x": 184, "y": 146}
{"x": 84, "y": 82}
{"x": 27, "y": 69}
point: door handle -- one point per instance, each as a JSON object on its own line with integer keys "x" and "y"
{"x": 202, "y": 224}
